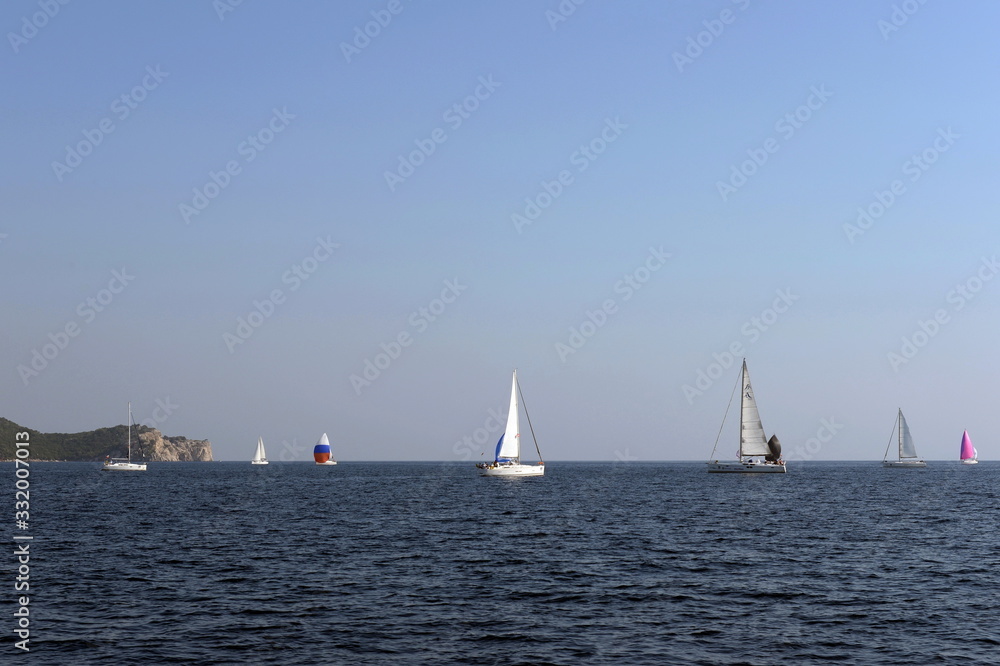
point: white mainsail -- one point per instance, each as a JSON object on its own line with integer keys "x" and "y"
{"x": 752, "y": 439}
{"x": 906, "y": 447}
{"x": 259, "y": 453}
{"x": 509, "y": 446}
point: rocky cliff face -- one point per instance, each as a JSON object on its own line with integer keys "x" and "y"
{"x": 157, "y": 448}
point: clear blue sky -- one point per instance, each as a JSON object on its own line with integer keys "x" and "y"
{"x": 310, "y": 117}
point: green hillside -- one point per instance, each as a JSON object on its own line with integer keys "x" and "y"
{"x": 80, "y": 446}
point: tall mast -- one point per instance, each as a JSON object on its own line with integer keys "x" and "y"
{"x": 743, "y": 397}
{"x": 517, "y": 420}
{"x": 130, "y": 431}
{"x": 899, "y": 436}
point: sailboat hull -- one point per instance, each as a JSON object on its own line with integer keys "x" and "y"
{"x": 258, "y": 462}
{"x": 328, "y": 462}
{"x": 746, "y": 467}
{"x": 970, "y": 461}
{"x": 903, "y": 463}
{"x": 512, "y": 470}
{"x": 123, "y": 467}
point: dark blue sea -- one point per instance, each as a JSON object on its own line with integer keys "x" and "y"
{"x": 423, "y": 563}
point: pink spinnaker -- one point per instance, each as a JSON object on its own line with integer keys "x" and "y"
{"x": 967, "y": 451}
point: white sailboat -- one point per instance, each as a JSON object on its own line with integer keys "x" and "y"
{"x": 507, "y": 460}
{"x": 757, "y": 454}
{"x": 907, "y": 451}
{"x": 258, "y": 456}
{"x": 124, "y": 464}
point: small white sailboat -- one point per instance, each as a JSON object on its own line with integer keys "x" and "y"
{"x": 321, "y": 452}
{"x": 907, "y": 451}
{"x": 507, "y": 460}
{"x": 124, "y": 464}
{"x": 258, "y": 456}
{"x": 757, "y": 454}
{"x": 967, "y": 453}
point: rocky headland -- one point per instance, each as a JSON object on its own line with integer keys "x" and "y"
{"x": 148, "y": 444}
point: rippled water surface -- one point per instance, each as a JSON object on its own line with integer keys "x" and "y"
{"x": 639, "y": 563}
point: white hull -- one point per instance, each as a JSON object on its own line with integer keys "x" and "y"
{"x": 123, "y": 467}
{"x": 513, "y": 470}
{"x": 970, "y": 461}
{"x": 903, "y": 463}
{"x": 747, "y": 467}
{"x": 328, "y": 462}
{"x": 258, "y": 462}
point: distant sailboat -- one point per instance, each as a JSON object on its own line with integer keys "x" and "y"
{"x": 507, "y": 460}
{"x": 258, "y": 457}
{"x": 907, "y": 451}
{"x": 757, "y": 454}
{"x": 968, "y": 453}
{"x": 124, "y": 464}
{"x": 321, "y": 453}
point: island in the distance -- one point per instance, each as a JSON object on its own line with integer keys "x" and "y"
{"x": 148, "y": 444}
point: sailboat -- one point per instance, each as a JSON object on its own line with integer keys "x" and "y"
{"x": 258, "y": 457}
{"x": 507, "y": 459}
{"x": 907, "y": 452}
{"x": 968, "y": 453}
{"x": 757, "y": 454}
{"x": 321, "y": 452}
{"x": 124, "y": 464}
